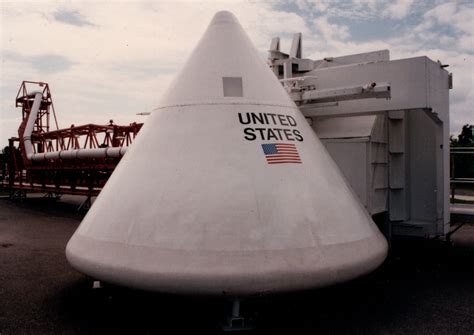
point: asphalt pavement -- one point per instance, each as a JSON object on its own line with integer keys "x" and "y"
{"x": 424, "y": 287}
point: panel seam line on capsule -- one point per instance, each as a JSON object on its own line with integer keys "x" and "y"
{"x": 225, "y": 103}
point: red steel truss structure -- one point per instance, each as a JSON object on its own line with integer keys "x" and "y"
{"x": 79, "y": 176}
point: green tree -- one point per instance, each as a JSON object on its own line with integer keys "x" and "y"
{"x": 462, "y": 164}
{"x": 466, "y": 138}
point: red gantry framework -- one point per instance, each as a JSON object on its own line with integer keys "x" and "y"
{"x": 80, "y": 176}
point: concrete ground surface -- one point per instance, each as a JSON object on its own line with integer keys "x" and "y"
{"x": 424, "y": 287}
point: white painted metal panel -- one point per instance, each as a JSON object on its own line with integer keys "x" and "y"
{"x": 351, "y": 157}
{"x": 205, "y": 212}
{"x": 358, "y": 146}
{"x": 422, "y": 167}
{"x": 409, "y": 80}
{"x": 344, "y": 127}
{"x": 374, "y": 56}
{"x": 418, "y": 86}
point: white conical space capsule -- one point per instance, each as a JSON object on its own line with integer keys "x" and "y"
{"x": 226, "y": 190}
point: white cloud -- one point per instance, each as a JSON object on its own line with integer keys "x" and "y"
{"x": 398, "y": 9}
{"x": 369, "y": 3}
{"x": 459, "y": 17}
{"x": 111, "y": 60}
{"x": 431, "y": 37}
{"x": 466, "y": 43}
{"x": 318, "y": 6}
{"x": 330, "y": 31}
{"x": 443, "y": 11}
{"x": 71, "y": 17}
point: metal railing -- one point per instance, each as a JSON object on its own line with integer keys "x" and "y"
{"x": 462, "y": 168}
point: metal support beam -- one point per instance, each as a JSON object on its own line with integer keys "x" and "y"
{"x": 306, "y": 99}
{"x": 235, "y": 322}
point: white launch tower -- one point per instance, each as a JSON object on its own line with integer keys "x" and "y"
{"x": 394, "y": 149}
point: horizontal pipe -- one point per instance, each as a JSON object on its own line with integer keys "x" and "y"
{"x": 293, "y": 79}
{"x": 114, "y": 152}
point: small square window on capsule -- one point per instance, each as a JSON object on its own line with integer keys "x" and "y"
{"x": 232, "y": 86}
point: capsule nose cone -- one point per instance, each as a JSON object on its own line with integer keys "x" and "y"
{"x": 237, "y": 195}
{"x": 224, "y": 17}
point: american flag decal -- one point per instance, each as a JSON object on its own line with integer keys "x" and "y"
{"x": 281, "y": 153}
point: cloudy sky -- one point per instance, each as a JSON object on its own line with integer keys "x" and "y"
{"x": 110, "y": 60}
